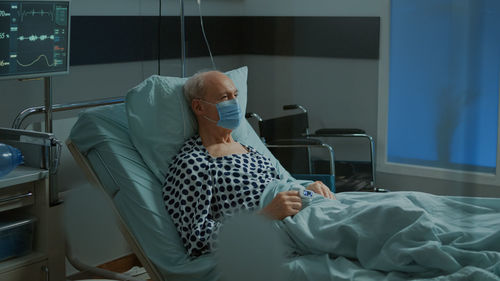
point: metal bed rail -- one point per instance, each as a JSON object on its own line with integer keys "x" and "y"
{"x": 63, "y": 107}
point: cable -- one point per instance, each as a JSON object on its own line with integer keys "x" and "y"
{"x": 205, "y": 36}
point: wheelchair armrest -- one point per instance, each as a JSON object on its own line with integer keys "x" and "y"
{"x": 253, "y": 115}
{"x": 294, "y": 106}
{"x": 295, "y": 142}
{"x": 338, "y": 131}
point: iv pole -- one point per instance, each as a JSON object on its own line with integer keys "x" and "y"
{"x": 183, "y": 40}
{"x": 53, "y": 189}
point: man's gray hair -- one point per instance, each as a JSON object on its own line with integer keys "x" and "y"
{"x": 194, "y": 86}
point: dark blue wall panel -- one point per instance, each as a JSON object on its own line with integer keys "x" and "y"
{"x": 111, "y": 39}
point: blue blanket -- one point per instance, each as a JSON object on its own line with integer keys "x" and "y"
{"x": 391, "y": 236}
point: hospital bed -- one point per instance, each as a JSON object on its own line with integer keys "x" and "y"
{"x": 102, "y": 143}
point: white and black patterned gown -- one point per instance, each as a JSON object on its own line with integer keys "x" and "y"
{"x": 200, "y": 190}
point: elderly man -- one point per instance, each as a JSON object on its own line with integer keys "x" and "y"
{"x": 214, "y": 176}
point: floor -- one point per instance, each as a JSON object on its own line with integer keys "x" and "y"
{"x": 120, "y": 265}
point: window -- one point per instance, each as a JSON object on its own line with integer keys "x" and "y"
{"x": 443, "y": 87}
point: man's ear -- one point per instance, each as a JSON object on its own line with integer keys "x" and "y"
{"x": 196, "y": 106}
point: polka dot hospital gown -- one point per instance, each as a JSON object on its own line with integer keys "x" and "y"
{"x": 200, "y": 190}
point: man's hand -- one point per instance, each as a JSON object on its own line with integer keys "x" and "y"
{"x": 286, "y": 203}
{"x": 320, "y": 188}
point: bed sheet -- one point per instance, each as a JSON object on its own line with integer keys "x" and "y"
{"x": 392, "y": 236}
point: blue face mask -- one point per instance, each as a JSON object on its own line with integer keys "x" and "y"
{"x": 229, "y": 114}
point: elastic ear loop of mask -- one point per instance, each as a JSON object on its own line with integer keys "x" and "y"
{"x": 206, "y": 116}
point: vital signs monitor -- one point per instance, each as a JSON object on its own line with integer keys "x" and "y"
{"x": 34, "y": 38}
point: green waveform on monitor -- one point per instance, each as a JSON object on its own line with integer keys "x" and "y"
{"x": 36, "y": 60}
{"x": 34, "y": 13}
{"x": 35, "y": 37}
{"x": 4, "y": 14}
{"x": 4, "y": 63}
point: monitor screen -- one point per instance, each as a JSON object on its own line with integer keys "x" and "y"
{"x": 34, "y": 38}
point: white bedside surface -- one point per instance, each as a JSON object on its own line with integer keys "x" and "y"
{"x": 22, "y": 174}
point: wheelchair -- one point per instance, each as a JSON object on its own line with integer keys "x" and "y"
{"x": 290, "y": 141}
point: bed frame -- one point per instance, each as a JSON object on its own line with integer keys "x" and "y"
{"x": 82, "y": 161}
{"x": 153, "y": 272}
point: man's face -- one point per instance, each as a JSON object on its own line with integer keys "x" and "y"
{"x": 218, "y": 88}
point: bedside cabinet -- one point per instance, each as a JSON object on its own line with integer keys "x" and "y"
{"x": 24, "y": 194}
